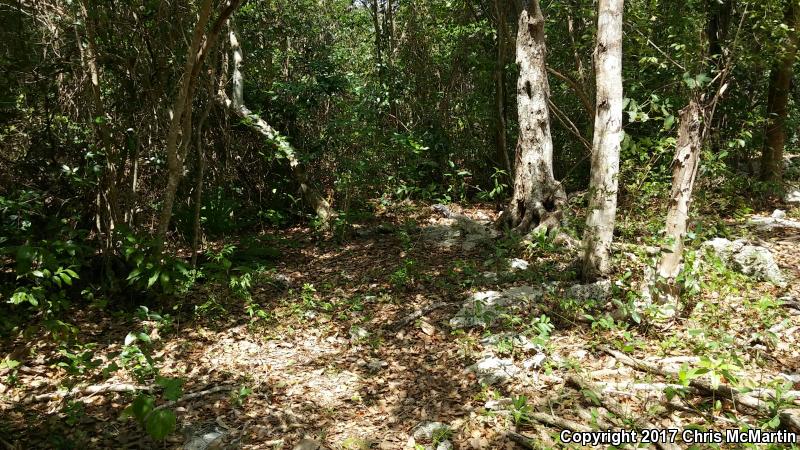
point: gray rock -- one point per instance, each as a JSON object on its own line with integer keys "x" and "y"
{"x": 498, "y": 405}
{"x": 208, "y": 440}
{"x": 779, "y": 214}
{"x": 751, "y": 260}
{"x": 483, "y": 308}
{"x": 442, "y": 235}
{"x": 535, "y": 362}
{"x": 520, "y": 342}
{"x": 458, "y": 231}
{"x": 445, "y": 445}
{"x": 599, "y": 290}
{"x": 517, "y": 264}
{"x": 490, "y": 276}
{"x": 793, "y": 196}
{"x": 493, "y": 370}
{"x": 776, "y": 221}
{"x": 428, "y": 431}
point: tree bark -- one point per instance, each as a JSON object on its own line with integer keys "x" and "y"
{"x": 538, "y": 198}
{"x": 201, "y": 165}
{"x": 108, "y": 199}
{"x": 684, "y": 172}
{"x": 601, "y": 215}
{"x": 313, "y": 198}
{"x": 777, "y": 103}
{"x": 180, "y": 123}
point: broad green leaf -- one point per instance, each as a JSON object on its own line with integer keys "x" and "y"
{"x": 160, "y": 424}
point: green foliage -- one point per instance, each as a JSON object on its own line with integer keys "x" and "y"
{"x": 150, "y": 271}
{"x": 157, "y": 422}
{"x": 520, "y": 410}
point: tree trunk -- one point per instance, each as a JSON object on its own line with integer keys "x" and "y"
{"x": 180, "y": 123}
{"x": 719, "y": 17}
{"x": 606, "y": 145}
{"x": 779, "y": 90}
{"x": 538, "y": 198}
{"x": 684, "y": 172}
{"x": 500, "y": 88}
{"x": 201, "y": 165}
{"x": 378, "y": 41}
{"x": 108, "y": 199}
{"x": 313, "y": 198}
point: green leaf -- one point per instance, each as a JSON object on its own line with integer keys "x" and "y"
{"x": 172, "y": 387}
{"x": 668, "y": 122}
{"x": 153, "y": 278}
{"x": 25, "y": 255}
{"x": 142, "y": 406}
{"x": 160, "y": 424}
{"x": 66, "y": 278}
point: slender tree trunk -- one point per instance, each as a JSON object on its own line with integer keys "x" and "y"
{"x": 180, "y": 123}
{"x": 684, "y": 172}
{"x": 605, "y": 148}
{"x": 311, "y": 195}
{"x": 719, "y": 17}
{"x": 378, "y": 44}
{"x": 201, "y": 165}
{"x": 109, "y": 199}
{"x": 538, "y": 198}
{"x": 500, "y": 87}
{"x": 777, "y": 104}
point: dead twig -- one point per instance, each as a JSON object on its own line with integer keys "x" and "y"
{"x": 614, "y": 407}
{"x": 745, "y": 404}
{"x": 88, "y": 390}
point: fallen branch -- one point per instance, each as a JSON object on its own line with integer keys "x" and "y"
{"x": 88, "y": 390}
{"x": 521, "y": 440}
{"x": 417, "y": 314}
{"x": 546, "y": 419}
{"x": 558, "y": 422}
{"x": 614, "y": 407}
{"x": 743, "y": 403}
{"x": 192, "y": 396}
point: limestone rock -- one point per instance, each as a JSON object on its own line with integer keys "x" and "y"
{"x": 751, "y": 260}
{"x": 517, "y": 264}
{"x": 493, "y": 370}
{"x": 482, "y": 308}
{"x": 428, "y": 431}
{"x": 599, "y": 290}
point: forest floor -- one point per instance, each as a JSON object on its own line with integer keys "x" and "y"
{"x": 352, "y": 345}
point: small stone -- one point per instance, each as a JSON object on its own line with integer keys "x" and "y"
{"x": 792, "y": 196}
{"x": 445, "y": 445}
{"x": 428, "y": 431}
{"x": 779, "y": 214}
{"x": 535, "y": 362}
{"x": 517, "y": 264}
{"x": 497, "y": 405}
{"x": 489, "y": 276}
{"x": 493, "y": 370}
{"x": 205, "y": 441}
